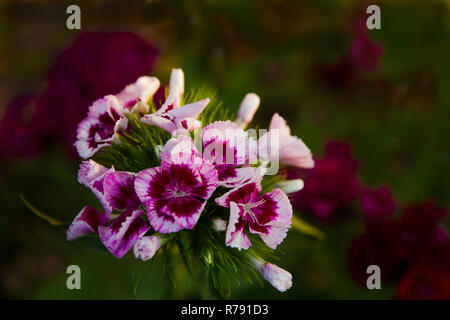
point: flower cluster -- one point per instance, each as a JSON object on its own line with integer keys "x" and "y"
{"x": 163, "y": 179}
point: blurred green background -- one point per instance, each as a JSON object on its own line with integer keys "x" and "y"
{"x": 396, "y": 119}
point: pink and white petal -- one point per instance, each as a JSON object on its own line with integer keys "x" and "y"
{"x": 181, "y": 150}
{"x": 185, "y": 210}
{"x": 107, "y": 104}
{"x": 172, "y": 102}
{"x": 242, "y": 175}
{"x": 123, "y": 232}
{"x": 245, "y": 193}
{"x": 140, "y": 91}
{"x": 146, "y": 247}
{"x": 278, "y": 123}
{"x": 235, "y": 236}
{"x": 188, "y": 124}
{"x": 161, "y": 222}
{"x": 274, "y": 236}
{"x": 119, "y": 191}
{"x": 275, "y": 202}
{"x": 209, "y": 178}
{"x": 191, "y": 110}
{"x": 150, "y": 184}
{"x": 86, "y": 222}
{"x": 90, "y": 171}
{"x": 160, "y": 121}
{"x": 295, "y": 153}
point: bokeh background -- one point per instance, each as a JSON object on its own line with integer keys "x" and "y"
{"x": 374, "y": 107}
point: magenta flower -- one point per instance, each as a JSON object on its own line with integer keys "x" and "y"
{"x": 175, "y": 193}
{"x": 98, "y": 130}
{"x": 268, "y": 215}
{"x": 86, "y": 222}
{"x": 172, "y": 116}
{"x": 123, "y": 232}
{"x": 84, "y": 72}
{"x": 278, "y": 141}
{"x": 416, "y": 232}
{"x": 377, "y": 204}
{"x": 331, "y": 185}
{"x": 364, "y": 53}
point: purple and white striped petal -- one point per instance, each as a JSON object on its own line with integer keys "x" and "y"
{"x": 118, "y": 190}
{"x": 92, "y": 175}
{"x": 146, "y": 247}
{"x": 123, "y": 232}
{"x": 235, "y": 236}
{"x": 86, "y": 222}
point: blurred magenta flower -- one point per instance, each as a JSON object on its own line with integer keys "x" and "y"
{"x": 416, "y": 231}
{"x": 377, "y": 204}
{"x": 16, "y": 129}
{"x": 371, "y": 248}
{"x": 94, "y": 65}
{"x": 331, "y": 185}
{"x": 424, "y": 283}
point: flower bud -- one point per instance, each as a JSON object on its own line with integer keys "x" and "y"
{"x": 177, "y": 80}
{"x": 247, "y": 109}
{"x": 146, "y": 247}
{"x": 278, "y": 277}
{"x": 219, "y": 224}
{"x": 291, "y": 186}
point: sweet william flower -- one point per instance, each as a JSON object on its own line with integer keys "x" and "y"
{"x": 268, "y": 215}
{"x": 146, "y": 247}
{"x": 99, "y": 128}
{"x": 291, "y": 150}
{"x": 378, "y": 203}
{"x": 247, "y": 109}
{"x": 172, "y": 115}
{"x": 123, "y": 232}
{"x": 175, "y": 193}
